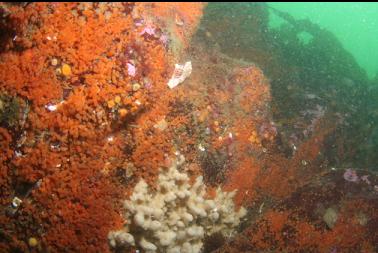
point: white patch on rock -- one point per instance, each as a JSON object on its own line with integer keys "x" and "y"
{"x": 180, "y": 73}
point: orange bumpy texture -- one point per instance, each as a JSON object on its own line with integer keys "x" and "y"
{"x": 85, "y": 125}
{"x": 95, "y": 115}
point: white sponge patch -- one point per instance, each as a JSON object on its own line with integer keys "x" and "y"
{"x": 177, "y": 217}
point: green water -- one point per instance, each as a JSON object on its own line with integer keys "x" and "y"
{"x": 354, "y": 24}
{"x": 316, "y": 55}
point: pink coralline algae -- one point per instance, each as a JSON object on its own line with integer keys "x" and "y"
{"x": 138, "y": 22}
{"x": 268, "y": 130}
{"x": 148, "y": 85}
{"x": 350, "y": 175}
{"x": 164, "y": 39}
{"x": 365, "y": 179}
{"x": 131, "y": 70}
{"x": 149, "y": 30}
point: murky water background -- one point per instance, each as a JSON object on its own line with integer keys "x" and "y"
{"x": 354, "y": 24}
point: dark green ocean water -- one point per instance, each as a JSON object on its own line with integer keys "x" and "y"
{"x": 317, "y": 56}
{"x": 354, "y": 24}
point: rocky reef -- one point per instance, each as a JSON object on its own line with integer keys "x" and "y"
{"x": 86, "y": 114}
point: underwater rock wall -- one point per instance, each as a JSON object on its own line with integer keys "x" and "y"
{"x": 87, "y": 72}
{"x": 329, "y": 214}
{"x": 310, "y": 79}
{"x": 86, "y": 113}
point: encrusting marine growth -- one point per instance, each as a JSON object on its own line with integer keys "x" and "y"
{"x": 95, "y": 98}
{"x": 177, "y": 217}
